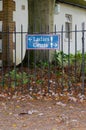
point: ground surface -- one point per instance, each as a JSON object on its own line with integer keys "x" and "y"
{"x": 25, "y": 113}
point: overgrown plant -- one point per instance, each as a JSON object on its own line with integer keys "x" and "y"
{"x": 17, "y": 77}
{"x": 74, "y": 63}
{"x": 60, "y": 57}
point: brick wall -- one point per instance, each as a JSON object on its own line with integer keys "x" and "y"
{"x": 6, "y": 16}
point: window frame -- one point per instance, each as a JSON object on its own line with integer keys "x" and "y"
{"x": 68, "y": 26}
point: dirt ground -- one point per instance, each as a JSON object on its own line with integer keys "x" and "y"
{"x": 25, "y": 113}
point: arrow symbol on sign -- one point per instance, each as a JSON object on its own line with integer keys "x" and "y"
{"x": 30, "y": 39}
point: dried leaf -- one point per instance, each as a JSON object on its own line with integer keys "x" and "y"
{"x": 14, "y": 125}
{"x": 40, "y": 114}
{"x": 17, "y": 106}
{"x": 30, "y": 112}
{"x": 61, "y": 104}
{"x": 24, "y": 125}
{"x": 73, "y": 99}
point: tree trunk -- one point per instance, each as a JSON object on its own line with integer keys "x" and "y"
{"x": 41, "y": 14}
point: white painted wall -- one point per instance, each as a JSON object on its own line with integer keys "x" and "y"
{"x": 1, "y": 5}
{"x": 0, "y": 26}
{"x": 20, "y": 16}
{"x": 78, "y": 16}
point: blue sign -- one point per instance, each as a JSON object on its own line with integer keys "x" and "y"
{"x": 42, "y": 41}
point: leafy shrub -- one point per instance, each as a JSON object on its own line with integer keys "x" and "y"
{"x": 76, "y": 61}
{"x": 17, "y": 77}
